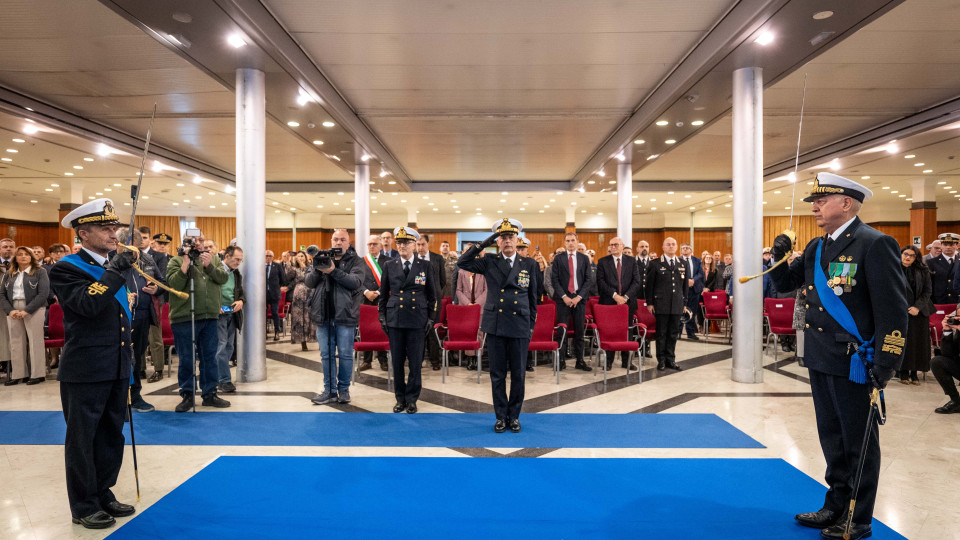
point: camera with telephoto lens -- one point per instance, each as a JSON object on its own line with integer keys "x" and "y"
{"x": 323, "y": 257}
{"x": 953, "y": 321}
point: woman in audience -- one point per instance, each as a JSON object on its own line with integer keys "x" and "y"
{"x": 23, "y": 299}
{"x": 710, "y": 271}
{"x": 916, "y": 356}
{"x": 301, "y": 329}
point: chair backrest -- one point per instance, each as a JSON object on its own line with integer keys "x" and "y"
{"x": 369, "y": 326}
{"x": 444, "y": 302}
{"x": 591, "y": 303}
{"x": 644, "y": 317}
{"x": 165, "y": 328}
{"x": 944, "y": 309}
{"x": 715, "y": 304}
{"x": 283, "y": 298}
{"x": 612, "y": 322}
{"x": 55, "y": 326}
{"x": 463, "y": 322}
{"x": 548, "y": 300}
{"x": 779, "y": 310}
{"x": 543, "y": 329}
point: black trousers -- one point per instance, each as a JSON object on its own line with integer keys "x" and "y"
{"x": 842, "y": 407}
{"x": 406, "y": 347}
{"x": 141, "y": 338}
{"x": 668, "y": 332}
{"x": 381, "y": 356}
{"x": 579, "y": 314}
{"x": 946, "y": 369}
{"x": 274, "y": 306}
{"x": 507, "y": 354}
{"x": 93, "y": 449}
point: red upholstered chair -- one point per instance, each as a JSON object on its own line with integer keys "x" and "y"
{"x": 613, "y": 333}
{"x": 55, "y": 333}
{"x": 442, "y": 320}
{"x": 779, "y": 315}
{"x": 462, "y": 333}
{"x": 371, "y": 337}
{"x": 547, "y": 336}
{"x": 646, "y": 322}
{"x": 716, "y": 307}
{"x": 167, "y": 332}
{"x": 936, "y": 322}
{"x": 590, "y": 324}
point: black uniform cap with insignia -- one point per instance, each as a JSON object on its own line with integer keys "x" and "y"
{"x": 97, "y": 212}
{"x": 831, "y": 184}
{"x": 163, "y": 238}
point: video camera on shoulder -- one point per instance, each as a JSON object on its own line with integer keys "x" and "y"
{"x": 190, "y": 248}
{"x": 323, "y": 257}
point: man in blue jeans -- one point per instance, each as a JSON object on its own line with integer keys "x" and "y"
{"x": 207, "y": 275}
{"x": 231, "y": 316}
{"x": 335, "y": 309}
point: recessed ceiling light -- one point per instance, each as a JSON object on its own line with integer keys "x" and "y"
{"x": 696, "y": 123}
{"x": 687, "y": 196}
{"x": 776, "y": 192}
{"x": 108, "y": 189}
{"x": 48, "y": 189}
{"x": 19, "y": 140}
{"x": 349, "y": 209}
{"x": 655, "y": 156}
{"x": 319, "y": 206}
{"x": 99, "y": 193}
{"x": 886, "y": 187}
{"x": 292, "y": 209}
{"x": 328, "y": 124}
{"x": 902, "y": 195}
{"x": 12, "y": 150}
{"x": 78, "y": 167}
{"x": 670, "y": 141}
{"x": 146, "y": 196}
{"x": 927, "y": 171}
{"x": 591, "y": 182}
{"x": 54, "y": 185}
{"x": 213, "y": 206}
{"x": 821, "y": 15}
{"x": 285, "y": 193}
{"x": 175, "y": 204}
{"x": 30, "y": 129}
{"x": 727, "y": 205}
{"x": 765, "y": 38}
{"x": 68, "y": 174}
{"x": 895, "y": 191}
{"x": 34, "y": 202}
{"x": 318, "y": 142}
{"x": 639, "y": 141}
{"x": 92, "y": 197}
{"x": 942, "y": 182}
{"x": 117, "y": 185}
{"x": 864, "y": 177}
{"x": 88, "y": 159}
{"x": 236, "y": 41}
{"x": 8, "y": 159}
{"x": 921, "y": 164}
{"x": 392, "y": 182}
{"x": 612, "y": 182}
{"x": 662, "y": 122}
{"x": 293, "y": 123}
{"x": 909, "y": 156}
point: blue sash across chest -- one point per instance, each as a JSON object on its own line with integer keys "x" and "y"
{"x": 96, "y": 271}
{"x": 836, "y": 309}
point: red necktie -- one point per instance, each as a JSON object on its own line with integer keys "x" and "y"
{"x": 571, "y": 287}
{"x": 619, "y": 279}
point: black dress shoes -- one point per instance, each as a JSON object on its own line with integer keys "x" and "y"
{"x": 609, "y": 365}
{"x": 821, "y": 519}
{"x": 500, "y": 426}
{"x": 118, "y": 509}
{"x": 435, "y": 367}
{"x": 214, "y": 400}
{"x": 693, "y": 337}
{"x": 674, "y": 366}
{"x": 582, "y": 366}
{"x": 472, "y": 364}
{"x": 661, "y": 365}
{"x": 186, "y": 404}
{"x": 96, "y": 520}
{"x": 530, "y": 366}
{"x": 412, "y": 407}
{"x": 631, "y": 367}
{"x": 563, "y": 365}
{"x": 399, "y": 407}
{"x": 37, "y": 380}
{"x": 515, "y": 425}
{"x": 950, "y": 408}
{"x": 856, "y": 531}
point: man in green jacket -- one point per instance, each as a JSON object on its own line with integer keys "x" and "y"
{"x": 205, "y": 271}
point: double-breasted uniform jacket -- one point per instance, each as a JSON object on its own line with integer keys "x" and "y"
{"x": 98, "y": 333}
{"x": 943, "y": 277}
{"x": 407, "y": 301}
{"x": 871, "y": 286}
{"x": 511, "y": 306}
{"x": 666, "y": 288}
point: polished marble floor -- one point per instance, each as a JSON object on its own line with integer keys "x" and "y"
{"x": 920, "y": 479}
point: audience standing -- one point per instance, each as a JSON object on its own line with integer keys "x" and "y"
{"x": 916, "y": 354}
{"x": 302, "y": 329}
{"x": 230, "y": 320}
{"x": 23, "y": 299}
{"x": 370, "y": 289}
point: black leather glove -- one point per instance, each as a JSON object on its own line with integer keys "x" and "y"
{"x": 881, "y": 374}
{"x": 383, "y": 323}
{"x": 429, "y": 325}
{"x": 489, "y": 241}
{"x": 781, "y": 246}
{"x": 122, "y": 261}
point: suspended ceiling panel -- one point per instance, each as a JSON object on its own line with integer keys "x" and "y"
{"x": 478, "y": 75}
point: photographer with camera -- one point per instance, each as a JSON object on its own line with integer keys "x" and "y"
{"x": 337, "y": 275}
{"x": 946, "y": 365}
{"x": 194, "y": 319}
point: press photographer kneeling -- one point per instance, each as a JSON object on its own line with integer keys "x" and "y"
{"x": 946, "y": 365}
{"x": 194, "y": 319}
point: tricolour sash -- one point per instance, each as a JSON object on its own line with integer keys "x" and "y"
{"x": 374, "y": 267}
{"x": 836, "y": 309}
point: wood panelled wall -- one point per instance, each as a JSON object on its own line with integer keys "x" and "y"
{"x": 30, "y": 234}
{"x": 163, "y": 224}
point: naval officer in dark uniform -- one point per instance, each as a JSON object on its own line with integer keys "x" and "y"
{"x": 509, "y": 316}
{"x": 408, "y": 307}
{"x": 860, "y": 267}
{"x": 95, "y": 363}
{"x": 945, "y": 271}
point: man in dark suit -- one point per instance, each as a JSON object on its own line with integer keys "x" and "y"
{"x": 509, "y": 316}
{"x": 570, "y": 275}
{"x": 852, "y": 274}
{"x": 155, "y": 336}
{"x": 95, "y": 364}
{"x": 373, "y": 264}
{"x": 275, "y": 285}
{"x": 944, "y": 270}
{"x": 440, "y": 281}
{"x": 695, "y": 283}
{"x": 618, "y": 282}
{"x": 667, "y": 288}
{"x": 386, "y": 238}
{"x": 643, "y": 261}
{"x": 407, "y": 309}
